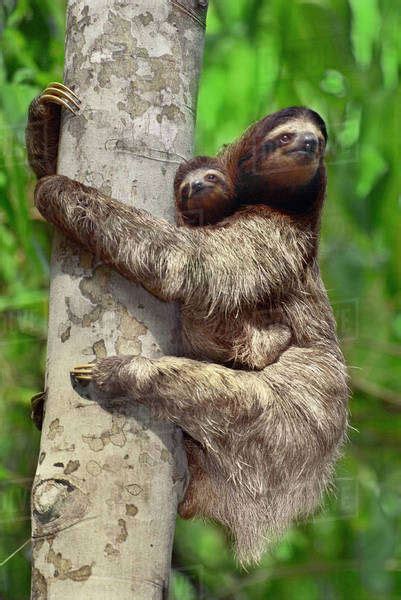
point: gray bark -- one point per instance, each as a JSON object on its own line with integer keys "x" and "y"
{"x": 108, "y": 481}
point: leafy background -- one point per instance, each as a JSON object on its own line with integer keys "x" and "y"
{"x": 341, "y": 57}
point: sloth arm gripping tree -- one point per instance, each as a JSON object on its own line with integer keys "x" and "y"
{"x": 179, "y": 264}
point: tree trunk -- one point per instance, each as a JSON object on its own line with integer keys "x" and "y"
{"x": 108, "y": 481}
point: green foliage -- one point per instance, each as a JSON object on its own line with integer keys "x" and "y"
{"x": 342, "y": 58}
{"x": 31, "y": 54}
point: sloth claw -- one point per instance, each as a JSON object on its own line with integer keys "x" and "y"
{"x": 57, "y": 93}
{"x": 83, "y": 373}
{"x": 63, "y": 87}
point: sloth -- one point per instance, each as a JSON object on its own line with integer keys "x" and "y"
{"x": 205, "y": 195}
{"x": 261, "y": 442}
{"x": 204, "y": 192}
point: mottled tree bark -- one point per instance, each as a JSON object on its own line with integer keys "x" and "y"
{"x": 109, "y": 478}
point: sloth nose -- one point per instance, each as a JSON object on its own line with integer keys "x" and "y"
{"x": 308, "y": 142}
{"x": 197, "y": 186}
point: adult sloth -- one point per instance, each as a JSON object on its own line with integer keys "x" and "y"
{"x": 262, "y": 443}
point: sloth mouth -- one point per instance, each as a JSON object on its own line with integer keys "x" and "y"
{"x": 194, "y": 218}
{"x": 303, "y": 151}
{"x": 305, "y": 154}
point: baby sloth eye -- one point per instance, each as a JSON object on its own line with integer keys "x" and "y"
{"x": 211, "y": 177}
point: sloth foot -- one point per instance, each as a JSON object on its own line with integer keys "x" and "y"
{"x": 104, "y": 376}
{"x": 57, "y": 93}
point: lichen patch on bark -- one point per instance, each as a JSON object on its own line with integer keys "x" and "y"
{"x": 99, "y": 349}
{"x": 63, "y": 567}
{"x": 123, "y": 534}
{"x": 55, "y": 429}
{"x": 131, "y": 510}
{"x": 93, "y": 468}
{"x": 94, "y": 442}
{"x": 64, "y": 333}
{"x": 72, "y": 465}
{"x": 134, "y": 489}
{"x": 114, "y": 435}
{"x": 111, "y": 552}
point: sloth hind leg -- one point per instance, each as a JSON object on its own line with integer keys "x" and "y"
{"x": 200, "y": 497}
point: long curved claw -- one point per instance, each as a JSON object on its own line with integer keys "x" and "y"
{"x": 67, "y": 95}
{"x": 56, "y": 100}
{"x": 64, "y": 88}
{"x": 82, "y": 373}
{"x": 58, "y": 93}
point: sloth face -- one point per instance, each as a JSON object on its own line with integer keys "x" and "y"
{"x": 291, "y": 153}
{"x": 283, "y": 163}
{"x": 204, "y": 197}
{"x": 288, "y": 156}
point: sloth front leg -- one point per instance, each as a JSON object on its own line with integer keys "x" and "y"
{"x": 207, "y": 400}
{"x": 43, "y": 127}
{"x": 214, "y": 270}
{"x": 142, "y": 248}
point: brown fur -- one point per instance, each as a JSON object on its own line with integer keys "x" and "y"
{"x": 262, "y": 443}
{"x": 252, "y": 342}
{"x": 42, "y": 137}
{"x": 213, "y": 202}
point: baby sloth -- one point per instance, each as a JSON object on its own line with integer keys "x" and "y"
{"x": 205, "y": 195}
{"x": 204, "y": 192}
{"x": 261, "y": 440}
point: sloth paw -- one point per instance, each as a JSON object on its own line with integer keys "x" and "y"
{"x": 83, "y": 374}
{"x": 108, "y": 375}
{"x": 57, "y": 93}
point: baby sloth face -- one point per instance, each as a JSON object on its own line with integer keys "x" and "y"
{"x": 204, "y": 197}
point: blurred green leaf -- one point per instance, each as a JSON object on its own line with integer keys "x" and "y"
{"x": 366, "y": 25}
{"x": 372, "y": 167}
